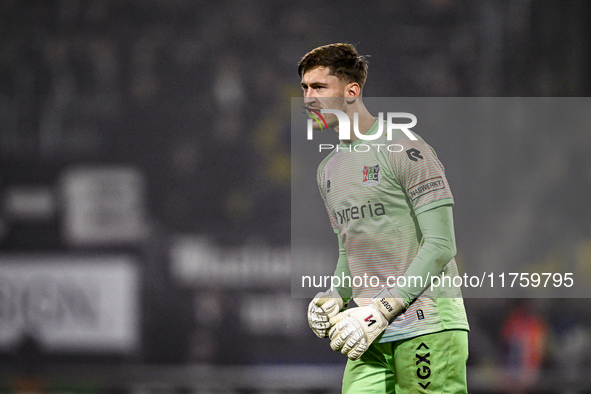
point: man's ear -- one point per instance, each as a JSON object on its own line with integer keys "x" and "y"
{"x": 352, "y": 92}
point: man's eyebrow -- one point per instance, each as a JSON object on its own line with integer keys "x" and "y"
{"x": 313, "y": 84}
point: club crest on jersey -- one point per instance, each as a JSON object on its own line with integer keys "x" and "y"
{"x": 371, "y": 175}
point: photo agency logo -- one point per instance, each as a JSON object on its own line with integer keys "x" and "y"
{"x": 315, "y": 116}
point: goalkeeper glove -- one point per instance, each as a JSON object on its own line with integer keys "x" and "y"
{"x": 322, "y": 308}
{"x": 355, "y": 329}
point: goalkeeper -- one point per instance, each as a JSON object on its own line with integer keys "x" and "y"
{"x": 392, "y": 213}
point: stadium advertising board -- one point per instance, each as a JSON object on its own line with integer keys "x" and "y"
{"x": 69, "y": 303}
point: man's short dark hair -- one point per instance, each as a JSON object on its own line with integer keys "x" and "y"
{"x": 342, "y": 60}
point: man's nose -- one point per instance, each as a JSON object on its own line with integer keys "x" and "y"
{"x": 308, "y": 97}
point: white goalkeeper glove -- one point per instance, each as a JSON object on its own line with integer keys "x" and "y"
{"x": 355, "y": 329}
{"x": 322, "y": 308}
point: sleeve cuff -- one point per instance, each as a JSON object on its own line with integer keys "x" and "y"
{"x": 434, "y": 204}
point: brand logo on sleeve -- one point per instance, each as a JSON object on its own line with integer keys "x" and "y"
{"x": 371, "y": 175}
{"x": 425, "y": 187}
{"x": 414, "y": 154}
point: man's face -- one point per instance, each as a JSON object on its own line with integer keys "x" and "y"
{"x": 323, "y": 91}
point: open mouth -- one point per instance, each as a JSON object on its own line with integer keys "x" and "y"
{"x": 316, "y": 115}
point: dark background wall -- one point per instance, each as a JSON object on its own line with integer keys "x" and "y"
{"x": 159, "y": 131}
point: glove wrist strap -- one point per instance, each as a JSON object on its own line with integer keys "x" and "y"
{"x": 390, "y": 303}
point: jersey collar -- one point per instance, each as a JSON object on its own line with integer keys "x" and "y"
{"x": 372, "y": 130}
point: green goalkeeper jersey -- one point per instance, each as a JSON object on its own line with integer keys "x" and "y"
{"x": 373, "y": 191}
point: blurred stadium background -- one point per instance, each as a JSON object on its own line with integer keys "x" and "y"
{"x": 145, "y": 187}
